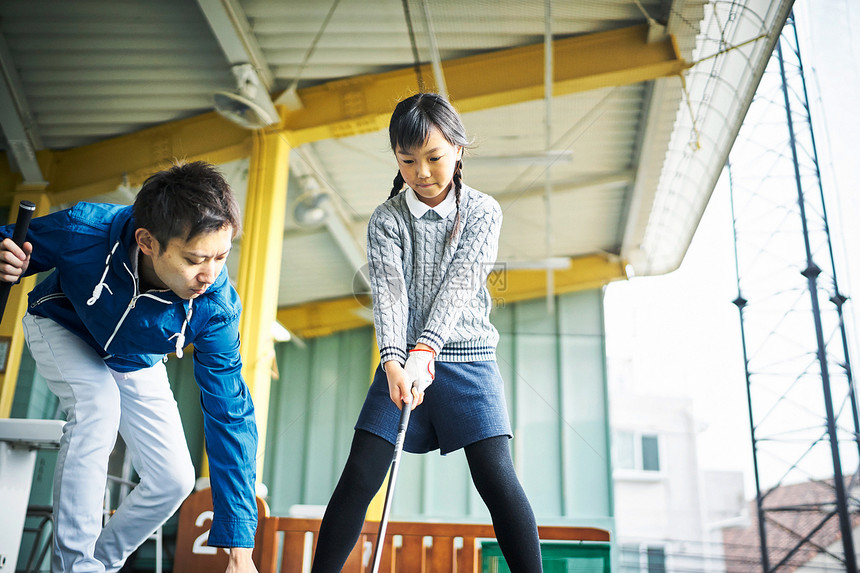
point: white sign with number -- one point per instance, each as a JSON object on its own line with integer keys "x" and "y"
{"x": 200, "y": 547}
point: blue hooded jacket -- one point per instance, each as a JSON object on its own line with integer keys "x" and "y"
{"x": 93, "y": 291}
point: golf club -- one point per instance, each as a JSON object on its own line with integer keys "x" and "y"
{"x": 405, "y": 411}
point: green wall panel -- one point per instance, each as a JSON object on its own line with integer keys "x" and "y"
{"x": 32, "y": 397}
{"x": 536, "y": 436}
{"x": 180, "y": 372}
{"x": 313, "y": 407}
{"x": 447, "y": 486}
{"x": 585, "y": 412}
{"x": 286, "y": 452}
{"x": 553, "y": 365}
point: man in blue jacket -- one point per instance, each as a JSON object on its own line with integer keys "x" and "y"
{"x": 129, "y": 286}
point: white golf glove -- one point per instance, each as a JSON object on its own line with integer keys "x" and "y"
{"x": 420, "y": 368}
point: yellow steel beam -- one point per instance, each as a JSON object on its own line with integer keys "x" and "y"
{"x": 377, "y": 504}
{"x": 363, "y": 104}
{"x": 593, "y": 271}
{"x": 322, "y": 318}
{"x": 259, "y": 268}
{"x": 79, "y": 173}
{"x": 11, "y": 331}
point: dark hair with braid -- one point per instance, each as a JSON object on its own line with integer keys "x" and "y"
{"x": 410, "y": 126}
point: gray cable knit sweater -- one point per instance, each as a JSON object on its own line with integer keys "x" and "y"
{"x": 430, "y": 288}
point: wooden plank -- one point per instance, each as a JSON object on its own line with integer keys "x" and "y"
{"x": 558, "y": 532}
{"x": 268, "y": 545}
{"x": 293, "y": 552}
{"x": 353, "y": 562}
{"x": 386, "y": 562}
{"x": 444, "y": 529}
{"x": 441, "y": 555}
{"x": 467, "y": 557}
{"x": 411, "y": 555}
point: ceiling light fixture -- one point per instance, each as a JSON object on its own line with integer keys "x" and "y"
{"x": 249, "y": 106}
{"x": 312, "y": 208}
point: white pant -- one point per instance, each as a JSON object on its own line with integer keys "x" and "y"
{"x": 99, "y": 402}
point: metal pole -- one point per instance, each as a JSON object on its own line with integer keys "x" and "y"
{"x": 741, "y": 302}
{"x": 811, "y": 273}
{"x": 837, "y": 299}
{"x": 547, "y": 181}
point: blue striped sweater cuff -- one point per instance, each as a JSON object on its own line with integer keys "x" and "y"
{"x": 392, "y": 353}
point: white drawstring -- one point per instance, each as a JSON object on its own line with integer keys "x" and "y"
{"x": 97, "y": 291}
{"x": 180, "y": 336}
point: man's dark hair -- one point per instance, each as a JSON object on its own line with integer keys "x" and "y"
{"x": 184, "y": 201}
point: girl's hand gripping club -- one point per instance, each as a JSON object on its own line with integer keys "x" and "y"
{"x": 420, "y": 368}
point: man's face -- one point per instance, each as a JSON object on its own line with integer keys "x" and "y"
{"x": 188, "y": 268}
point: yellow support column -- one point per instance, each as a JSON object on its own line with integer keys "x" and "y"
{"x": 259, "y": 267}
{"x": 374, "y": 510}
{"x": 11, "y": 332}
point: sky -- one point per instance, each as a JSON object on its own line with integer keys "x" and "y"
{"x": 681, "y": 331}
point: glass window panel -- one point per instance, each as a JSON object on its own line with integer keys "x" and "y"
{"x": 656, "y": 560}
{"x": 650, "y": 454}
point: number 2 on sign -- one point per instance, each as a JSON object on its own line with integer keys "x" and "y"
{"x": 200, "y": 547}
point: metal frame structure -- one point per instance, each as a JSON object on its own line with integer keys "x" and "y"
{"x": 802, "y": 402}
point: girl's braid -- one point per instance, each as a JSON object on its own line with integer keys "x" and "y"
{"x": 458, "y": 183}
{"x": 398, "y": 185}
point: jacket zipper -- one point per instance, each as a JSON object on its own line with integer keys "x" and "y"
{"x": 137, "y": 294}
{"x": 47, "y": 298}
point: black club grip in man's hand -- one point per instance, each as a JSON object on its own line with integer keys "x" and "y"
{"x": 19, "y": 235}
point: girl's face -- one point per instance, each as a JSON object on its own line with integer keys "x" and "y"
{"x": 429, "y": 169}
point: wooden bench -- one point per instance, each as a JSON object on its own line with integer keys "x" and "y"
{"x": 453, "y": 547}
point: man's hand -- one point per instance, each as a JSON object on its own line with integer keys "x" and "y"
{"x": 399, "y": 387}
{"x": 240, "y": 560}
{"x": 14, "y": 260}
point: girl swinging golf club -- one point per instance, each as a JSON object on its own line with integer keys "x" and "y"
{"x": 431, "y": 246}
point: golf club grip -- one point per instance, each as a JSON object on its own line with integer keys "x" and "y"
{"x": 401, "y": 427}
{"x": 19, "y": 235}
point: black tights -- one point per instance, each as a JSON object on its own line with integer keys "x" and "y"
{"x": 492, "y": 472}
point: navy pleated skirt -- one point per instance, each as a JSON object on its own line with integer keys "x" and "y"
{"x": 465, "y": 404}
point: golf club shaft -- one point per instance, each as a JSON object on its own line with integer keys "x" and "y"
{"x": 389, "y": 493}
{"x": 19, "y": 235}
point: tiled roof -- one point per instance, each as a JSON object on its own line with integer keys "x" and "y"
{"x": 793, "y": 512}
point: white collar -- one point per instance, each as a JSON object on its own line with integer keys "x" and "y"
{"x": 418, "y": 208}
